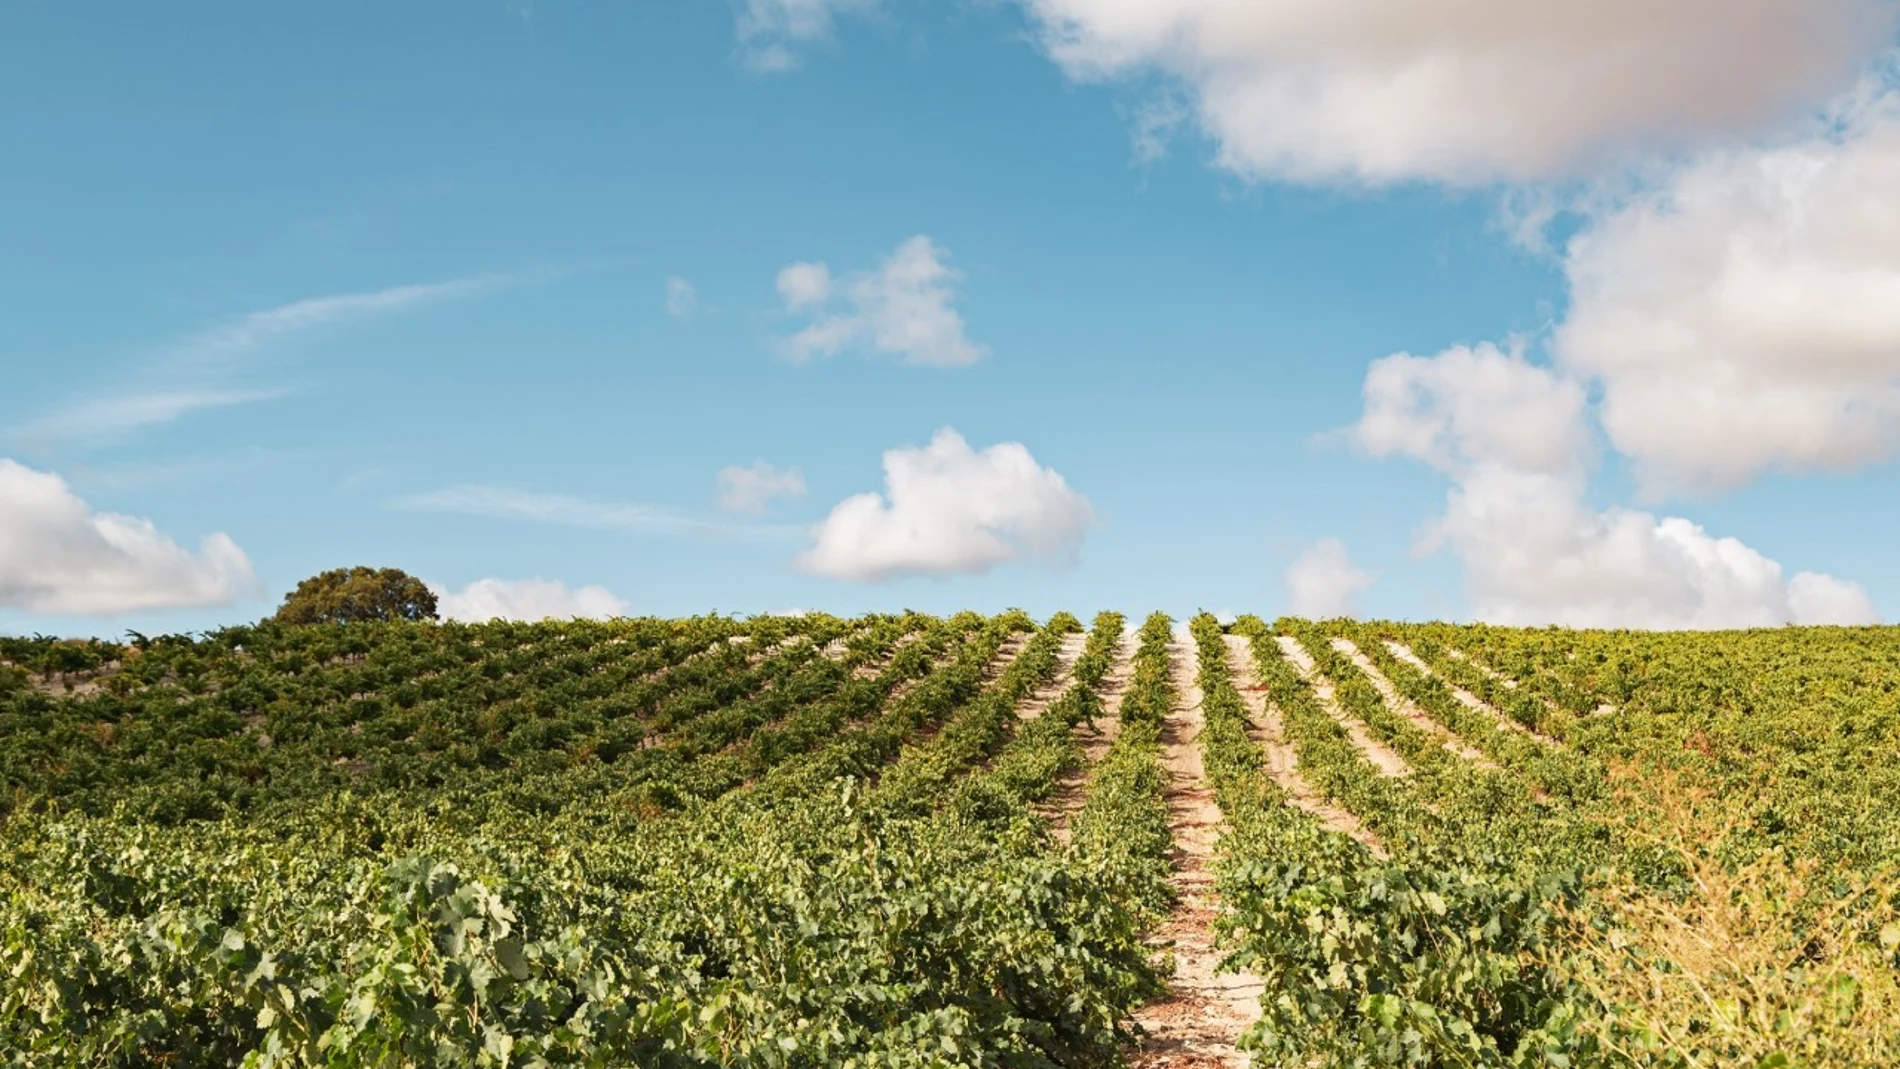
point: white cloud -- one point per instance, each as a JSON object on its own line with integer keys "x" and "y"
{"x": 525, "y": 599}
{"x": 57, "y": 555}
{"x": 198, "y": 467}
{"x": 1322, "y": 581}
{"x": 195, "y": 374}
{"x": 1471, "y": 91}
{"x": 1155, "y": 122}
{"x": 1745, "y": 314}
{"x": 1533, "y": 551}
{"x": 517, "y": 503}
{"x": 104, "y": 417}
{"x": 1816, "y": 598}
{"x": 902, "y": 308}
{"x": 751, "y": 489}
{"x": 946, "y": 509}
{"x": 682, "y": 299}
{"x": 771, "y": 31}
{"x": 804, "y": 285}
{"x": 249, "y": 331}
{"x": 1469, "y": 406}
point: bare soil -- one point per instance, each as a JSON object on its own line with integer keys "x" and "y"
{"x": 1006, "y": 655}
{"x": 1044, "y": 696}
{"x": 1466, "y": 698}
{"x": 874, "y": 668}
{"x": 1204, "y": 1013}
{"x": 1000, "y": 661}
{"x": 760, "y": 656}
{"x": 71, "y": 685}
{"x": 1387, "y": 762}
{"x": 1269, "y": 731}
{"x": 1096, "y": 739}
{"x": 1512, "y": 684}
{"x": 1409, "y": 709}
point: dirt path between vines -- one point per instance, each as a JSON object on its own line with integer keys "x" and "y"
{"x": 1006, "y": 655}
{"x": 999, "y": 662}
{"x": 1382, "y": 758}
{"x": 1409, "y": 709}
{"x": 1466, "y": 698}
{"x": 764, "y": 653}
{"x": 1096, "y": 739}
{"x": 873, "y": 668}
{"x": 1044, "y": 696}
{"x": 1198, "y": 1022}
{"x": 838, "y": 647}
{"x": 1282, "y": 761}
{"x": 710, "y": 649}
{"x": 1511, "y": 684}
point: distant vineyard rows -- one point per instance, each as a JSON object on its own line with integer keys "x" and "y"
{"x": 817, "y": 841}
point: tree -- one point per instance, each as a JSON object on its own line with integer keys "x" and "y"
{"x": 345, "y": 594}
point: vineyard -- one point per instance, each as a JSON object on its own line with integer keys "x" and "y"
{"x": 904, "y": 840}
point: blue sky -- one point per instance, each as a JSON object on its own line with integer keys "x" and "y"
{"x": 301, "y": 277}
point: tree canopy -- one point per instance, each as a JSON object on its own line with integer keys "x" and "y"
{"x": 342, "y": 595}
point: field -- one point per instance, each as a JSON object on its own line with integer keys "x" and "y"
{"x": 909, "y": 840}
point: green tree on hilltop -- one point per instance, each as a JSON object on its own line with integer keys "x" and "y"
{"x": 342, "y": 595}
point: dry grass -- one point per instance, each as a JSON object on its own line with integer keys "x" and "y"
{"x": 1771, "y": 961}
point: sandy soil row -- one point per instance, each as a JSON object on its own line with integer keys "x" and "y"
{"x": 1460, "y": 655}
{"x": 874, "y": 668}
{"x": 1466, "y": 698}
{"x": 1512, "y": 684}
{"x": 1382, "y": 758}
{"x": 760, "y": 656}
{"x": 709, "y": 650}
{"x": 1269, "y": 732}
{"x": 1006, "y": 655}
{"x": 1409, "y": 709}
{"x": 1044, "y": 696}
{"x": 999, "y": 663}
{"x": 1096, "y": 739}
{"x": 1204, "y": 1012}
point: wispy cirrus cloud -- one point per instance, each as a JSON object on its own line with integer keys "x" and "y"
{"x": 199, "y": 373}
{"x": 149, "y": 473}
{"x": 751, "y": 489}
{"x": 103, "y": 417}
{"x": 498, "y": 501}
{"x": 254, "y": 329}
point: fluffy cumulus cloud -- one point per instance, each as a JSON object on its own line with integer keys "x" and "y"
{"x": 1744, "y": 315}
{"x": 58, "y": 555}
{"x": 750, "y": 489}
{"x": 1510, "y": 435}
{"x": 1470, "y": 91}
{"x": 948, "y": 509}
{"x": 771, "y": 32}
{"x": 903, "y": 308}
{"x": 1322, "y": 581}
{"x": 1821, "y": 598}
{"x": 525, "y": 599}
{"x": 1468, "y": 407}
